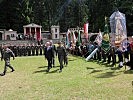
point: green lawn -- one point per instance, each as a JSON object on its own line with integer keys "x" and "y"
{"x": 80, "y": 80}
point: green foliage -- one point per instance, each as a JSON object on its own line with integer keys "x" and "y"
{"x": 67, "y": 13}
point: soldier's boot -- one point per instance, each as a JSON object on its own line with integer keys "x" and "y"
{"x": 11, "y": 68}
{"x": 60, "y": 69}
{"x": 2, "y": 74}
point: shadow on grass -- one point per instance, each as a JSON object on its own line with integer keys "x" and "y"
{"x": 101, "y": 63}
{"x": 89, "y": 68}
{"x": 45, "y": 70}
{"x": 40, "y": 71}
{"x": 105, "y": 64}
{"x": 42, "y": 66}
{"x": 106, "y": 75}
{"x": 56, "y": 66}
{"x": 115, "y": 68}
{"x": 95, "y": 71}
{"x": 72, "y": 59}
{"x": 128, "y": 72}
{"x": 54, "y": 71}
{"x": 91, "y": 60}
{"x": 47, "y": 66}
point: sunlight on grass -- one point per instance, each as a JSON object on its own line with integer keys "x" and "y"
{"x": 80, "y": 80}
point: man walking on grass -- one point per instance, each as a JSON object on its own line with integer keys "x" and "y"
{"x": 48, "y": 52}
{"x": 54, "y": 51}
{"x": 6, "y": 55}
{"x": 61, "y": 53}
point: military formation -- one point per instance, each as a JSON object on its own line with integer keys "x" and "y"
{"x": 27, "y": 49}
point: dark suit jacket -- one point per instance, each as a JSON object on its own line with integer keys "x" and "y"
{"x": 48, "y": 52}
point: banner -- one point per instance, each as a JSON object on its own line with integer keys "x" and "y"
{"x": 105, "y": 45}
{"x": 86, "y": 30}
{"x": 79, "y": 38}
{"x": 74, "y": 38}
{"x": 118, "y": 28}
{"x": 68, "y": 39}
{"x": 98, "y": 39}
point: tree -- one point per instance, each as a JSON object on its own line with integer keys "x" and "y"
{"x": 66, "y": 13}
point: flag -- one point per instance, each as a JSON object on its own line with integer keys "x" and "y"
{"x": 74, "y": 37}
{"x": 86, "y": 30}
{"x": 120, "y": 35}
{"x": 98, "y": 39}
{"x": 105, "y": 40}
{"x": 118, "y": 28}
{"x": 68, "y": 39}
{"x": 79, "y": 37}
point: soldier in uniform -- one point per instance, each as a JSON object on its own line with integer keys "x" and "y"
{"x": 28, "y": 48}
{"x": 33, "y": 49}
{"x": 104, "y": 56}
{"x": 61, "y": 53}
{"x": 6, "y": 54}
{"x": 19, "y": 50}
{"x": 41, "y": 49}
{"x": 112, "y": 55}
{"x": 15, "y": 50}
{"x": 24, "y": 50}
{"x": 99, "y": 53}
{"x": 37, "y": 49}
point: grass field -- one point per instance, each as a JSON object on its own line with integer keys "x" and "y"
{"x": 80, "y": 80}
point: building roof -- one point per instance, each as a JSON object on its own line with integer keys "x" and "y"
{"x": 10, "y": 30}
{"x": 32, "y": 25}
{"x": 54, "y": 26}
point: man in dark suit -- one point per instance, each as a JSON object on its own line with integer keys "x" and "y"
{"x": 49, "y": 55}
{"x": 54, "y": 50}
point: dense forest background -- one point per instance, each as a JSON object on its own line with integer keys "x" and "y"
{"x": 66, "y": 13}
